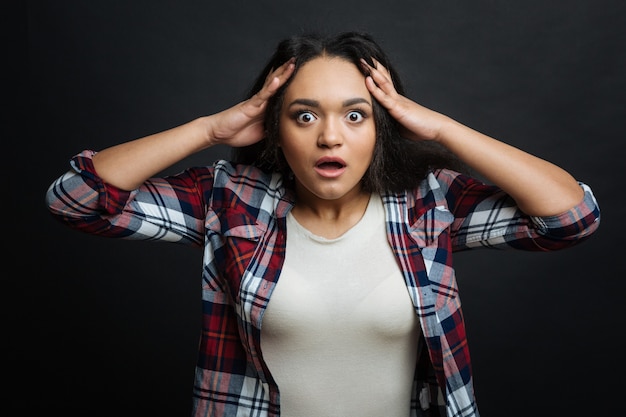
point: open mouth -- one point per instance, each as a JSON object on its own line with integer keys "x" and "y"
{"x": 330, "y": 167}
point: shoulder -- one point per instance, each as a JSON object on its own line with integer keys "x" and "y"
{"x": 227, "y": 174}
{"x": 235, "y": 184}
{"x": 437, "y": 187}
{"x": 441, "y": 189}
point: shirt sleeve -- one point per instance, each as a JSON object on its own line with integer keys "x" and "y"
{"x": 485, "y": 216}
{"x": 170, "y": 208}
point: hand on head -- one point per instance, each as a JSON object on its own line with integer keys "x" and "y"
{"x": 242, "y": 124}
{"x": 417, "y": 122}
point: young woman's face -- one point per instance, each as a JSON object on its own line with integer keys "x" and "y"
{"x": 327, "y": 130}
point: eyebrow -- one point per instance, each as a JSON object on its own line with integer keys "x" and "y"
{"x": 315, "y": 103}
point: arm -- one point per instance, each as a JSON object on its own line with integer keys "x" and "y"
{"x": 115, "y": 193}
{"x": 129, "y": 164}
{"x": 538, "y": 187}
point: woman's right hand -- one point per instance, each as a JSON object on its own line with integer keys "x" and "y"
{"x": 127, "y": 165}
{"x": 242, "y": 124}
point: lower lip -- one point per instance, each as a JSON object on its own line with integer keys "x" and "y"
{"x": 329, "y": 172}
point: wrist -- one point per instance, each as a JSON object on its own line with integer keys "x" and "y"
{"x": 449, "y": 130}
{"x": 205, "y": 128}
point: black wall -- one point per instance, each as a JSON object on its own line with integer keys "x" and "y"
{"x": 104, "y": 327}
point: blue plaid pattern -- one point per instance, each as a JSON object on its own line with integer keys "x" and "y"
{"x": 237, "y": 215}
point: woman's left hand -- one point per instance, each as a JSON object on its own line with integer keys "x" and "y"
{"x": 539, "y": 187}
{"x": 417, "y": 122}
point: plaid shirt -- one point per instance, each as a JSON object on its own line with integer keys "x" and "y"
{"x": 238, "y": 214}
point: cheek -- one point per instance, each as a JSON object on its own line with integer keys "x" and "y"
{"x": 286, "y": 131}
{"x": 289, "y": 148}
{"x": 292, "y": 152}
{"x": 369, "y": 145}
{"x": 367, "y": 156}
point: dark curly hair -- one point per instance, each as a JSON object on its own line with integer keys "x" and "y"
{"x": 398, "y": 163}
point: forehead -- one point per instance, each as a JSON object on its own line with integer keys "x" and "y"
{"x": 325, "y": 76}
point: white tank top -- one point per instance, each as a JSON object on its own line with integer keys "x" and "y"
{"x": 340, "y": 333}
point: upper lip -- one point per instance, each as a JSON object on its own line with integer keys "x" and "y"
{"x": 330, "y": 159}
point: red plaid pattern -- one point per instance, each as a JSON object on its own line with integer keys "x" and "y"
{"x": 237, "y": 214}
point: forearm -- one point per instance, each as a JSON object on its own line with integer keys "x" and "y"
{"x": 539, "y": 187}
{"x": 129, "y": 164}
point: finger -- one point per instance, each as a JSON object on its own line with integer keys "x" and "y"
{"x": 378, "y": 93}
{"x": 382, "y": 78}
{"x": 381, "y": 68}
{"x": 283, "y": 72}
{"x": 382, "y": 90}
{"x": 275, "y": 79}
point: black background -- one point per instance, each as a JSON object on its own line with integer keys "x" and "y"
{"x": 109, "y": 327}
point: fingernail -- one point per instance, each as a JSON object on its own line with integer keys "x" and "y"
{"x": 366, "y": 68}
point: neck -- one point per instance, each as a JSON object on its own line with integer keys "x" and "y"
{"x": 331, "y": 218}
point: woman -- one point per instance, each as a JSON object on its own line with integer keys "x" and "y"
{"x": 328, "y": 283}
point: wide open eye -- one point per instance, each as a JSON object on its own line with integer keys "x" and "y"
{"x": 305, "y": 117}
{"x": 355, "y": 116}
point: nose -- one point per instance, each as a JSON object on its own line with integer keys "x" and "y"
{"x": 330, "y": 134}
